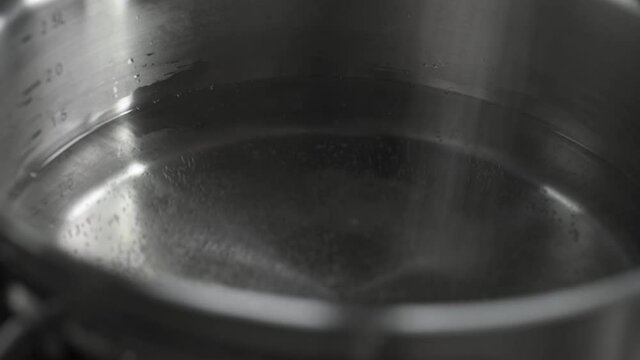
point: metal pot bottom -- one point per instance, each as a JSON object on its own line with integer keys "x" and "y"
{"x": 341, "y": 189}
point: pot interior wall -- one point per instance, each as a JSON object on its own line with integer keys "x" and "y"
{"x": 394, "y": 152}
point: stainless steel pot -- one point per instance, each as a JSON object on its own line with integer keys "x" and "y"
{"x": 347, "y": 179}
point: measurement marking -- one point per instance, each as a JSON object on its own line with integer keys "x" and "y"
{"x": 59, "y": 117}
{"x": 25, "y": 102}
{"x": 36, "y": 134}
{"x": 57, "y": 19}
{"x": 31, "y": 87}
{"x": 52, "y": 73}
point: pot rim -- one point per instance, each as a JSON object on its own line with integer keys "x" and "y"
{"x": 308, "y": 314}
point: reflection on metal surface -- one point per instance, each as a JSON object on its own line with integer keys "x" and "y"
{"x": 122, "y": 5}
{"x": 632, "y": 6}
{"x": 93, "y": 197}
{"x": 36, "y": 3}
{"x": 562, "y": 199}
{"x": 123, "y": 104}
{"x": 111, "y": 215}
